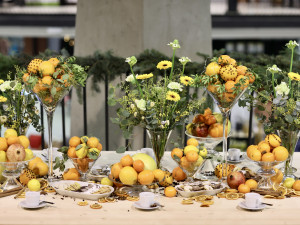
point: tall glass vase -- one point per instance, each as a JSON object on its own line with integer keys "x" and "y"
{"x": 289, "y": 140}
{"x": 225, "y": 103}
{"x": 159, "y": 140}
{"x": 49, "y": 103}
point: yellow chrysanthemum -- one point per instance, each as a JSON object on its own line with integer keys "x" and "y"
{"x": 1, "y": 81}
{"x": 3, "y": 99}
{"x": 294, "y": 76}
{"x": 144, "y": 76}
{"x": 173, "y": 96}
{"x": 163, "y": 65}
{"x": 186, "y": 80}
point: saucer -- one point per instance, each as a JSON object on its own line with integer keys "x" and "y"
{"x": 243, "y": 206}
{"x": 23, "y": 204}
{"x": 242, "y": 158}
{"x": 138, "y": 206}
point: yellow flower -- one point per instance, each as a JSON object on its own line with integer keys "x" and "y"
{"x": 1, "y": 81}
{"x": 3, "y": 99}
{"x": 186, "y": 80}
{"x": 144, "y": 76}
{"x": 173, "y": 96}
{"x": 294, "y": 76}
{"x": 163, "y": 65}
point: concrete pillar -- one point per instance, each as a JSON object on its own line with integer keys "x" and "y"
{"x": 128, "y": 27}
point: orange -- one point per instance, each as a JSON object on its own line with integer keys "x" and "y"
{"x": 48, "y": 99}
{"x": 158, "y": 174}
{"x": 99, "y": 147}
{"x": 178, "y": 174}
{"x": 252, "y": 184}
{"x": 72, "y": 152}
{"x": 264, "y": 147}
{"x": 296, "y": 185}
{"x": 243, "y": 83}
{"x": 3, "y": 144}
{"x": 229, "y": 86}
{"x": 115, "y": 170}
{"x": 192, "y": 156}
{"x": 192, "y": 141}
{"x": 54, "y": 61}
{"x": 13, "y": 140}
{"x": 25, "y": 77}
{"x": 126, "y": 160}
{"x": 241, "y": 70}
{"x": 232, "y": 61}
{"x": 280, "y": 153}
{"x": 224, "y": 59}
{"x": 243, "y": 188}
{"x": 93, "y": 142}
{"x": 46, "y": 68}
{"x": 250, "y": 148}
{"x": 145, "y": 177}
{"x": 178, "y": 152}
{"x": 255, "y": 155}
{"x": 251, "y": 77}
{"x": 268, "y": 157}
{"x": 74, "y": 141}
{"x": 170, "y": 192}
{"x": 24, "y": 141}
{"x": 138, "y": 165}
{"x": 47, "y": 80}
{"x": 184, "y": 162}
{"x": 41, "y": 86}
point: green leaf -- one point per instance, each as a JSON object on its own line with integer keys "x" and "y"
{"x": 115, "y": 120}
{"x": 121, "y": 149}
{"x": 126, "y": 134}
{"x": 125, "y": 113}
{"x": 78, "y": 147}
{"x": 260, "y": 108}
{"x": 65, "y": 77}
{"x": 53, "y": 91}
{"x": 289, "y": 118}
{"x": 111, "y": 102}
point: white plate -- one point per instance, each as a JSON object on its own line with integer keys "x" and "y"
{"x": 60, "y": 186}
{"x": 243, "y": 206}
{"x": 138, "y": 206}
{"x": 23, "y": 204}
{"x": 242, "y": 158}
{"x": 55, "y": 153}
{"x": 188, "y": 194}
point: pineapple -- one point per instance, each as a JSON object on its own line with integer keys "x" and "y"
{"x": 33, "y": 66}
{"x": 228, "y": 72}
{"x": 212, "y": 68}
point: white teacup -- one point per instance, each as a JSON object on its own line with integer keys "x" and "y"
{"x": 252, "y": 200}
{"x": 146, "y": 199}
{"x": 234, "y": 154}
{"x": 32, "y": 198}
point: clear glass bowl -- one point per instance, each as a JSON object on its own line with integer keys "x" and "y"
{"x": 266, "y": 171}
{"x": 11, "y": 171}
{"x": 83, "y": 166}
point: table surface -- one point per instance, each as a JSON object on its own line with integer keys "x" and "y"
{"x": 223, "y": 211}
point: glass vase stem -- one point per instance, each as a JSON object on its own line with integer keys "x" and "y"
{"x": 225, "y": 116}
{"x": 50, "y": 150}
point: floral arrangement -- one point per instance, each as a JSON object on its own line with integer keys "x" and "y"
{"x": 17, "y": 108}
{"x": 155, "y": 103}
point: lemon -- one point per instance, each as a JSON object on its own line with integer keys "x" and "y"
{"x": 84, "y": 139}
{"x": 203, "y": 152}
{"x": 106, "y": 181}
{"x": 288, "y": 182}
{"x": 190, "y": 148}
{"x": 24, "y": 141}
{"x": 29, "y": 154}
{"x": 10, "y": 133}
{"x": 3, "y": 156}
{"x": 34, "y": 185}
{"x": 128, "y": 175}
{"x": 82, "y": 151}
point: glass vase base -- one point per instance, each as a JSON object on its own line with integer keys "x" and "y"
{"x": 290, "y": 173}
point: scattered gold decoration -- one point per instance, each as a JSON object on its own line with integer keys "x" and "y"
{"x": 82, "y": 203}
{"x": 232, "y": 196}
{"x": 204, "y": 205}
{"x": 187, "y": 202}
{"x": 96, "y": 206}
{"x": 133, "y": 198}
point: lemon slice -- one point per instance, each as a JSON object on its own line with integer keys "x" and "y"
{"x": 275, "y": 186}
{"x": 283, "y": 190}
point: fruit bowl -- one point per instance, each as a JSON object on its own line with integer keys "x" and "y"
{"x": 12, "y": 170}
{"x": 266, "y": 171}
{"x": 83, "y": 165}
{"x": 190, "y": 168}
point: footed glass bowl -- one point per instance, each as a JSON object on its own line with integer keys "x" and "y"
{"x": 266, "y": 171}
{"x": 83, "y": 166}
{"x": 11, "y": 171}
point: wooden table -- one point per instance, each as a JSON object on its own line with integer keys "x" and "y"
{"x": 66, "y": 211}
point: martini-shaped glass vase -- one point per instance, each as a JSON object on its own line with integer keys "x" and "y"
{"x": 49, "y": 100}
{"x": 225, "y": 102}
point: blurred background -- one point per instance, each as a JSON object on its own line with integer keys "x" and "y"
{"x": 255, "y": 28}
